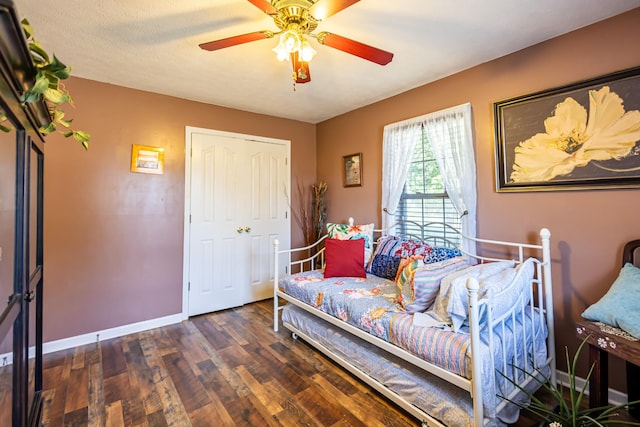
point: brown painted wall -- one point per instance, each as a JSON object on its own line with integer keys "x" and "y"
{"x": 588, "y": 228}
{"x": 114, "y": 239}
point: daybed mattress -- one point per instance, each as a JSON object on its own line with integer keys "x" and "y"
{"x": 369, "y": 304}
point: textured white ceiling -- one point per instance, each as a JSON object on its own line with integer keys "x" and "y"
{"x": 153, "y": 45}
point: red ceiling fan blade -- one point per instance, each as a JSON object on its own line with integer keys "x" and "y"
{"x": 300, "y": 69}
{"x": 325, "y": 8}
{"x": 236, "y": 40}
{"x": 264, "y": 6}
{"x": 353, "y": 47}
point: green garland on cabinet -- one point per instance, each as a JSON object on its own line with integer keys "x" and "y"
{"x": 50, "y": 71}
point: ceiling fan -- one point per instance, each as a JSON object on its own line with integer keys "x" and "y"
{"x": 297, "y": 19}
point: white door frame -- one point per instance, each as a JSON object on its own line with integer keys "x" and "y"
{"x": 187, "y": 195}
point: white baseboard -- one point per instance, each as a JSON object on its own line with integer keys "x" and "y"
{"x": 615, "y": 397}
{"x": 105, "y": 334}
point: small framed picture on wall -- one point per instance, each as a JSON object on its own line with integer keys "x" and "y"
{"x": 147, "y": 159}
{"x": 352, "y": 170}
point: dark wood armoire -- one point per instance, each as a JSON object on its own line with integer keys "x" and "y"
{"x": 21, "y": 217}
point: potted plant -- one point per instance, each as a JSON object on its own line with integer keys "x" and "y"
{"x": 569, "y": 411}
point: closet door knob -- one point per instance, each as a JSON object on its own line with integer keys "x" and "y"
{"x": 239, "y": 230}
{"x": 247, "y": 229}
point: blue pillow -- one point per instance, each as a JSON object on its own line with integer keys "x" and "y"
{"x": 385, "y": 266}
{"x": 438, "y": 254}
{"x": 620, "y": 306}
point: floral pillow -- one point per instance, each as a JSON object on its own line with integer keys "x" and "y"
{"x": 409, "y": 248}
{"x": 353, "y": 232}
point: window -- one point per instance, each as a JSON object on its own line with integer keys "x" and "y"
{"x": 429, "y": 172}
{"x": 424, "y": 198}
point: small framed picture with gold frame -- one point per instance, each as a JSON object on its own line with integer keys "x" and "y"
{"x": 147, "y": 159}
{"x": 352, "y": 170}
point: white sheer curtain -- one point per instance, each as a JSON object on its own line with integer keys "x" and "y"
{"x": 450, "y": 134}
{"x": 398, "y": 142}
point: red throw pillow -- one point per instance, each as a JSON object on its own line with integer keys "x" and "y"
{"x": 344, "y": 258}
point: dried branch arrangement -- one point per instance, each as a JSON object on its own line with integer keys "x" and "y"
{"x": 311, "y": 215}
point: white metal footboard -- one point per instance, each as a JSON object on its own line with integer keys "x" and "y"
{"x": 540, "y": 305}
{"x": 308, "y": 258}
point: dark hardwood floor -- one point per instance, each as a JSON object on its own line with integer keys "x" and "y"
{"x": 222, "y": 369}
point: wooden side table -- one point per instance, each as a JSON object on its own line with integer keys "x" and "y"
{"x": 605, "y": 339}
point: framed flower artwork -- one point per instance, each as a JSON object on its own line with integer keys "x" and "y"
{"x": 581, "y": 136}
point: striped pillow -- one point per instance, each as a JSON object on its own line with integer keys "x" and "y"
{"x": 421, "y": 292}
{"x": 386, "y": 246}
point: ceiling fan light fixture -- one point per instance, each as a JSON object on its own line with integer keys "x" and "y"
{"x": 281, "y": 51}
{"x": 291, "y": 40}
{"x": 307, "y": 52}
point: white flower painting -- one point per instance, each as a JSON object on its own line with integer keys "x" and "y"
{"x": 573, "y": 137}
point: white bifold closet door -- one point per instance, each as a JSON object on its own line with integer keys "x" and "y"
{"x": 239, "y": 205}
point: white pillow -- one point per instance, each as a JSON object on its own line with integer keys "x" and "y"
{"x": 502, "y": 295}
{"x": 453, "y": 291}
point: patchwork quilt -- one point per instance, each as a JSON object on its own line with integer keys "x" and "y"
{"x": 370, "y": 304}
